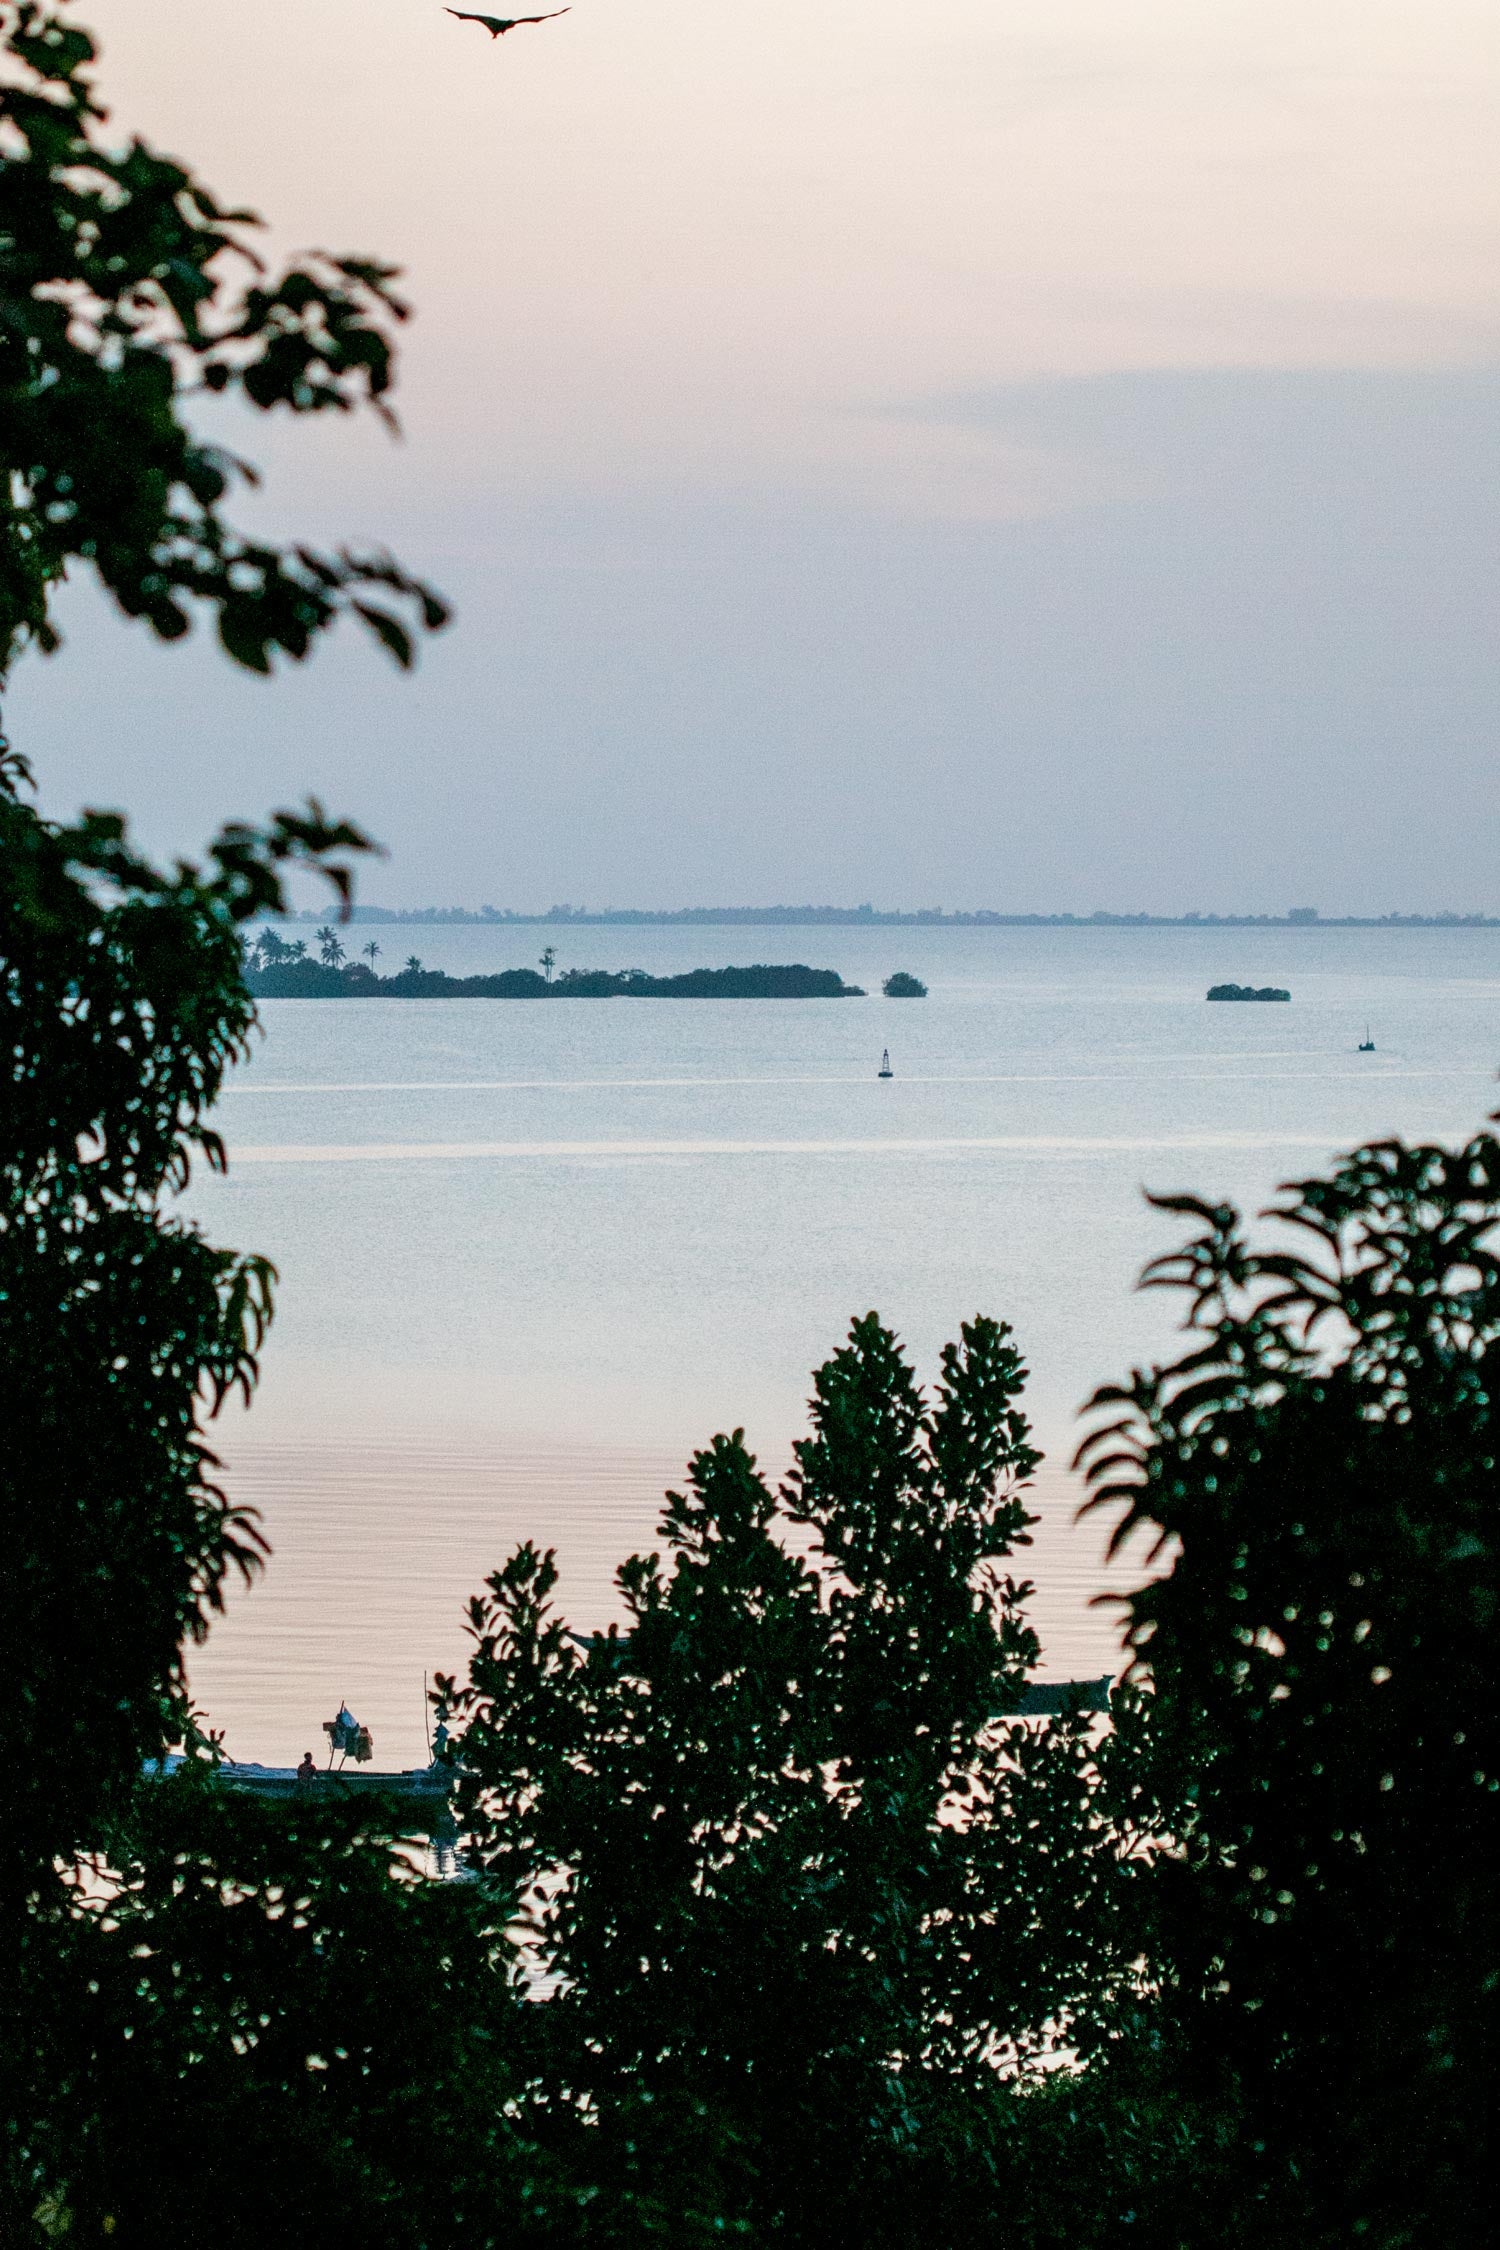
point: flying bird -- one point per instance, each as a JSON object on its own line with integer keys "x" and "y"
{"x": 495, "y": 25}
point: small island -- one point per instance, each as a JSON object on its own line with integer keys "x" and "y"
{"x": 903, "y": 987}
{"x": 1247, "y": 992}
{"x": 354, "y": 980}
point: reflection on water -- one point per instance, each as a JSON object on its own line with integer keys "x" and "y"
{"x": 376, "y": 1550}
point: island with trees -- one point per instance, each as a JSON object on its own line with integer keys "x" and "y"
{"x": 1247, "y": 992}
{"x": 904, "y": 987}
{"x": 275, "y": 970}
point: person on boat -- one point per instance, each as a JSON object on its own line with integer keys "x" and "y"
{"x": 307, "y": 1772}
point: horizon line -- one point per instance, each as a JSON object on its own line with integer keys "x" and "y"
{"x": 870, "y": 917}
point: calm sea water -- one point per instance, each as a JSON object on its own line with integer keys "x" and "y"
{"x": 531, "y": 1256}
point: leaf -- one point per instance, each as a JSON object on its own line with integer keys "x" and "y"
{"x": 388, "y": 629}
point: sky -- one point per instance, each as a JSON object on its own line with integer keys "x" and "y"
{"x": 1027, "y": 454}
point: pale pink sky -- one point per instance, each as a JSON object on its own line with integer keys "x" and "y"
{"x": 748, "y": 420}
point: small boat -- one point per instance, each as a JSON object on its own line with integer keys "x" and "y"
{"x": 422, "y": 1784}
{"x": 885, "y": 1070}
{"x": 1367, "y": 1044}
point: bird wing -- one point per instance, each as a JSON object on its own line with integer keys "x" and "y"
{"x": 494, "y": 25}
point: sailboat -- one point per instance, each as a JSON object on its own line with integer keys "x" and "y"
{"x": 1367, "y": 1044}
{"x": 885, "y": 1070}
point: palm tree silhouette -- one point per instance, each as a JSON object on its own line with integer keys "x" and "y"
{"x": 329, "y": 948}
{"x": 372, "y": 953}
{"x": 549, "y": 962}
{"x": 413, "y": 964}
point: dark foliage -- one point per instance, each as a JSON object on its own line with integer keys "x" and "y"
{"x": 792, "y": 1884}
{"x": 167, "y": 1965}
{"x": 1321, "y": 1660}
{"x": 904, "y": 987}
{"x": 121, "y": 1005}
{"x": 262, "y": 2025}
{"x": 124, "y": 288}
{"x": 121, "y": 1331}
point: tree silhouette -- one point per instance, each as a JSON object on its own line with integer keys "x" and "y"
{"x": 413, "y": 965}
{"x": 549, "y": 962}
{"x": 372, "y": 953}
{"x": 126, "y": 291}
{"x": 1321, "y": 1660}
{"x": 789, "y": 1881}
{"x": 128, "y": 288}
{"x": 330, "y": 951}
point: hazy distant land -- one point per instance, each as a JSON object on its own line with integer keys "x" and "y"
{"x": 870, "y": 917}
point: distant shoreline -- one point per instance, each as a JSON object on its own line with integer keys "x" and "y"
{"x": 865, "y": 917}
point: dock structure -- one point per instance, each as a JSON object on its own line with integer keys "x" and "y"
{"x": 425, "y": 1786}
{"x": 429, "y": 1789}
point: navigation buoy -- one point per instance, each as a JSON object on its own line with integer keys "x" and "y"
{"x": 885, "y": 1063}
